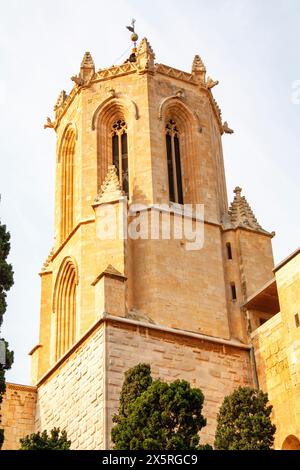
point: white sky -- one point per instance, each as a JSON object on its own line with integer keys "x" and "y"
{"x": 251, "y": 46}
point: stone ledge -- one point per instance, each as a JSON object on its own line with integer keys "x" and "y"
{"x": 19, "y": 387}
{"x": 189, "y": 334}
{"x": 113, "y": 319}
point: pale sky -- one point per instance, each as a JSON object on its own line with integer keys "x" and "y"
{"x": 251, "y": 46}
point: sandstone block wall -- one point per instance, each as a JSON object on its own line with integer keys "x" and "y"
{"x": 278, "y": 372}
{"x": 18, "y": 412}
{"x": 277, "y": 351}
{"x": 71, "y": 397}
{"x": 215, "y": 368}
{"x": 180, "y": 288}
{"x": 256, "y": 258}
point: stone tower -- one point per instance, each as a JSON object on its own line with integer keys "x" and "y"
{"x": 148, "y": 135}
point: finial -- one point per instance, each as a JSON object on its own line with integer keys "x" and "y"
{"x": 198, "y": 69}
{"x": 241, "y": 214}
{"x": 87, "y": 61}
{"x": 110, "y": 189}
{"x": 134, "y": 37}
{"x": 145, "y": 57}
{"x": 238, "y": 191}
{"x": 198, "y": 64}
{"x": 87, "y": 70}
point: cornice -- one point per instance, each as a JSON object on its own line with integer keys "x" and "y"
{"x": 21, "y": 388}
{"x": 175, "y": 73}
{"x": 127, "y": 69}
{"x": 115, "y": 71}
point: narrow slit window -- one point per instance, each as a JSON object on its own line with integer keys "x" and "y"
{"x": 120, "y": 153}
{"x": 297, "y": 320}
{"x": 233, "y": 291}
{"x": 174, "y": 162}
{"x": 229, "y": 250}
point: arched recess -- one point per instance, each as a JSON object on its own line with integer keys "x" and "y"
{"x": 62, "y": 141}
{"x": 173, "y": 109}
{"x": 64, "y": 306}
{"x": 291, "y": 443}
{"x": 66, "y": 161}
{"x": 110, "y": 111}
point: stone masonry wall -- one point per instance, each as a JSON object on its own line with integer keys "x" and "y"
{"x": 72, "y": 397}
{"x": 273, "y": 373}
{"x": 277, "y": 352}
{"x": 215, "y": 368}
{"x": 81, "y": 393}
{"x": 17, "y": 411}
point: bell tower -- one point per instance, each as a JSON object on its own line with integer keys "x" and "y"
{"x": 142, "y": 140}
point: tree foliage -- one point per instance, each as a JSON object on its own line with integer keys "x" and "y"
{"x": 6, "y": 272}
{"x": 56, "y": 440}
{"x": 137, "y": 380}
{"x": 244, "y": 422}
{"x": 154, "y": 415}
{"x": 6, "y": 282}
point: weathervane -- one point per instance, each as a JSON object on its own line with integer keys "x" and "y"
{"x": 134, "y": 37}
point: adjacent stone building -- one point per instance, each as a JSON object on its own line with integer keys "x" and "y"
{"x": 146, "y": 137}
{"x": 277, "y": 347}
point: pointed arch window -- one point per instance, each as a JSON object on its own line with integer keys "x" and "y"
{"x": 174, "y": 163}
{"x": 120, "y": 153}
{"x": 65, "y": 308}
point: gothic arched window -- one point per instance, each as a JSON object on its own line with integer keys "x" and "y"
{"x": 174, "y": 164}
{"x": 120, "y": 153}
{"x": 65, "y": 308}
